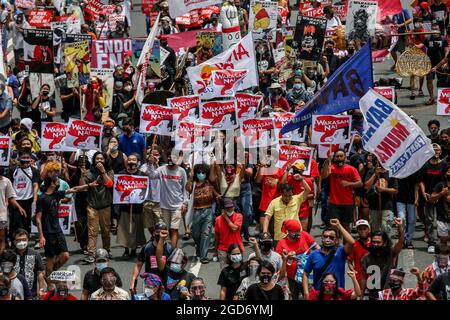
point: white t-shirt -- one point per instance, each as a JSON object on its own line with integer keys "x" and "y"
{"x": 22, "y": 184}
{"x": 333, "y": 22}
{"x": 6, "y": 192}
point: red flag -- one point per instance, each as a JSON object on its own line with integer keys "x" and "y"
{"x": 388, "y": 8}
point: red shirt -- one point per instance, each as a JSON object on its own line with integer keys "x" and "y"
{"x": 338, "y": 194}
{"x": 297, "y": 189}
{"x": 269, "y": 186}
{"x": 358, "y": 252}
{"x": 300, "y": 246}
{"x": 54, "y": 296}
{"x": 314, "y": 172}
{"x": 343, "y": 294}
{"x": 226, "y": 236}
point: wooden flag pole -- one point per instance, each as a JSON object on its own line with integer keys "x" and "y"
{"x": 131, "y": 218}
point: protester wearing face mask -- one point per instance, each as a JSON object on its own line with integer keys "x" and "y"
{"x": 131, "y": 141}
{"x": 333, "y": 60}
{"x": 198, "y": 289}
{"x": 252, "y": 271}
{"x": 109, "y": 289}
{"x": 330, "y": 291}
{"x": 44, "y": 107}
{"x": 264, "y": 250}
{"x": 19, "y": 285}
{"x": 214, "y": 24}
{"x": 297, "y": 243}
{"x": 27, "y": 131}
{"x": 58, "y": 286}
{"x": 298, "y": 92}
{"x": 343, "y": 179}
{"x": 5, "y": 289}
{"x": 396, "y": 290}
{"x": 331, "y": 257}
{"x": 29, "y": 264}
{"x": 92, "y": 279}
{"x": 382, "y": 257}
{"x": 153, "y": 288}
{"x": 360, "y": 248}
{"x": 276, "y": 100}
{"x": 231, "y": 276}
{"x": 5, "y": 109}
{"x": 357, "y": 121}
{"x": 202, "y": 219}
{"x": 265, "y": 290}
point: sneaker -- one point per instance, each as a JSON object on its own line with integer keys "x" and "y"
{"x": 109, "y": 255}
{"x": 204, "y": 260}
{"x": 409, "y": 245}
{"x": 89, "y": 259}
{"x": 431, "y": 249}
{"x": 37, "y": 246}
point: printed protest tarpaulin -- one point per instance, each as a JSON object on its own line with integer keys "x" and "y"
{"x": 106, "y": 85}
{"x": 443, "y": 102}
{"x": 94, "y": 7}
{"x": 113, "y": 19}
{"x": 280, "y": 120}
{"x": 191, "y": 136}
{"x": 130, "y": 189}
{"x": 5, "y": 149}
{"x": 67, "y": 26}
{"x": 77, "y": 63}
{"x": 387, "y": 92}
{"x": 396, "y": 140}
{"x": 290, "y": 154}
{"x": 209, "y": 41}
{"x": 220, "y": 115}
{"x": 185, "y": 109}
{"x": 361, "y": 20}
{"x": 156, "y": 119}
{"x": 24, "y": 4}
{"x": 327, "y": 129}
{"x": 224, "y": 83}
{"x": 109, "y": 53}
{"x": 388, "y": 8}
{"x": 258, "y": 132}
{"x": 247, "y": 105}
{"x": 38, "y": 50}
{"x": 180, "y": 7}
{"x": 84, "y": 135}
{"x": 262, "y": 17}
{"x": 310, "y": 35}
{"x": 53, "y": 135}
{"x": 40, "y": 18}
{"x": 240, "y": 56}
{"x": 65, "y": 217}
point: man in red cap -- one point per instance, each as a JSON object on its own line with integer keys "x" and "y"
{"x": 128, "y": 65}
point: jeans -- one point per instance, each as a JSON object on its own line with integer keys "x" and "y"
{"x": 201, "y": 231}
{"x": 246, "y": 205}
{"x": 407, "y": 212}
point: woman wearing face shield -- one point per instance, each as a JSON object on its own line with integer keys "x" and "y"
{"x": 153, "y": 288}
{"x": 253, "y": 264}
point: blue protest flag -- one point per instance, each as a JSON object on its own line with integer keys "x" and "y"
{"x": 341, "y": 92}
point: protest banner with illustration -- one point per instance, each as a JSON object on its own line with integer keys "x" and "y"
{"x": 65, "y": 217}
{"x": 156, "y": 119}
{"x": 53, "y": 135}
{"x": 361, "y": 20}
{"x": 185, "y": 109}
{"x": 178, "y": 8}
{"x": 262, "y": 18}
{"x": 191, "y": 136}
{"x": 113, "y": 19}
{"x": 280, "y": 120}
{"x": 387, "y": 92}
{"x": 290, "y": 154}
{"x": 310, "y": 35}
{"x": 84, "y": 135}
{"x": 94, "y": 7}
{"x": 38, "y": 50}
{"x": 24, "y": 4}
{"x": 5, "y": 150}
{"x": 106, "y": 85}
{"x": 240, "y": 56}
{"x": 328, "y": 129}
{"x": 247, "y": 105}
{"x": 77, "y": 63}
{"x": 66, "y": 26}
{"x": 224, "y": 83}
{"x": 129, "y": 189}
{"x": 258, "y": 132}
{"x": 40, "y": 18}
{"x": 396, "y": 140}
{"x": 209, "y": 41}
{"x": 443, "y": 102}
{"x": 279, "y": 57}
{"x": 220, "y": 115}
{"x": 109, "y": 53}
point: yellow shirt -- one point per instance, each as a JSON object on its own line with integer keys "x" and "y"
{"x": 282, "y": 212}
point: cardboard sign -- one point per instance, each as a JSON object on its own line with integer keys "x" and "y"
{"x": 84, "y": 135}
{"x": 5, "y": 150}
{"x": 361, "y": 20}
{"x": 192, "y": 137}
{"x": 387, "y": 92}
{"x": 109, "y": 53}
{"x": 77, "y": 63}
{"x": 53, "y": 135}
{"x": 220, "y": 115}
{"x": 258, "y": 133}
{"x": 38, "y": 50}
{"x": 310, "y": 35}
{"x": 247, "y": 105}
{"x": 185, "y": 109}
{"x": 224, "y": 83}
{"x": 290, "y": 154}
{"x": 65, "y": 217}
{"x": 40, "y": 18}
{"x": 443, "y": 102}
{"x": 280, "y": 120}
{"x": 130, "y": 189}
{"x": 156, "y": 119}
{"x": 106, "y": 85}
{"x": 329, "y": 129}
{"x": 262, "y": 18}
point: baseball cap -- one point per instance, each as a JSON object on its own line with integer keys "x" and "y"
{"x": 299, "y": 165}
{"x": 27, "y": 122}
{"x": 265, "y": 236}
{"x": 101, "y": 254}
{"x": 160, "y": 225}
{"x": 362, "y": 222}
{"x": 228, "y": 203}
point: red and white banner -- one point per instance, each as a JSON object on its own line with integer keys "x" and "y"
{"x": 156, "y": 119}
{"x": 379, "y": 56}
{"x": 224, "y": 83}
{"x": 220, "y": 115}
{"x": 24, "y": 4}
{"x": 307, "y": 5}
{"x": 314, "y": 12}
{"x": 40, "y": 18}
{"x": 240, "y": 56}
{"x": 185, "y": 109}
{"x": 53, "y": 136}
{"x": 84, "y": 135}
{"x": 388, "y": 8}
{"x": 341, "y": 11}
{"x": 247, "y": 105}
{"x": 206, "y": 13}
{"x": 5, "y": 150}
{"x": 109, "y": 53}
{"x": 192, "y": 137}
{"x": 179, "y": 7}
{"x": 324, "y": 150}
{"x": 443, "y": 102}
{"x": 258, "y": 133}
{"x": 65, "y": 217}
{"x": 94, "y": 7}
{"x": 292, "y": 154}
{"x": 147, "y": 6}
{"x": 113, "y": 19}
{"x": 387, "y": 92}
{"x": 329, "y": 129}
{"x": 280, "y": 120}
{"x": 129, "y": 189}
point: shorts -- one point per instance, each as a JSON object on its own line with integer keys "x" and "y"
{"x": 172, "y": 218}
{"x": 3, "y": 225}
{"x": 342, "y": 212}
{"x": 443, "y": 228}
{"x": 151, "y": 214}
{"x": 55, "y": 244}
{"x": 400, "y": 45}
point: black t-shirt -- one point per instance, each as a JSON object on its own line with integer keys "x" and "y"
{"x": 29, "y": 265}
{"x": 71, "y": 106}
{"x": 440, "y": 287}
{"x": 431, "y": 175}
{"x": 386, "y": 198}
{"x": 406, "y": 193}
{"x": 147, "y": 255}
{"x": 442, "y": 206}
{"x": 48, "y": 205}
{"x": 231, "y": 279}
{"x": 91, "y": 282}
{"x": 171, "y": 281}
{"x": 435, "y": 48}
{"x": 440, "y": 9}
{"x": 255, "y": 292}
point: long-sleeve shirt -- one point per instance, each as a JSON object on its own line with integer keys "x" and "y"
{"x": 155, "y": 185}
{"x": 173, "y": 193}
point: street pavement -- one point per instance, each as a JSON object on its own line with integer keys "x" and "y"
{"x": 210, "y": 272}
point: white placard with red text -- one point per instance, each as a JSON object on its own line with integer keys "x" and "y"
{"x": 53, "y": 135}
{"x": 443, "y": 102}
{"x": 84, "y": 135}
{"x": 330, "y": 129}
{"x": 258, "y": 132}
{"x": 280, "y": 120}
{"x": 156, "y": 119}
{"x": 220, "y": 115}
{"x": 247, "y": 105}
{"x": 192, "y": 137}
{"x": 5, "y": 150}
{"x": 185, "y": 109}
{"x": 130, "y": 189}
{"x": 387, "y": 92}
{"x": 292, "y": 154}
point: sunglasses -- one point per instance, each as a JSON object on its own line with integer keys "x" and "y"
{"x": 329, "y": 237}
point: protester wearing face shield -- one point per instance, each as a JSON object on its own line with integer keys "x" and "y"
{"x": 265, "y": 289}
{"x": 253, "y": 264}
{"x": 109, "y": 289}
{"x": 153, "y": 288}
{"x": 19, "y": 286}
{"x": 396, "y": 290}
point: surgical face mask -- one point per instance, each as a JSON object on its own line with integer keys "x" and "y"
{"x": 148, "y": 292}
{"x": 114, "y": 148}
{"x": 21, "y": 245}
{"x": 265, "y": 278}
{"x": 175, "y": 267}
{"x": 229, "y": 213}
{"x": 3, "y": 291}
{"x": 128, "y": 88}
{"x": 294, "y": 236}
{"x": 201, "y": 176}
{"x": 252, "y": 270}
{"x": 236, "y": 258}
{"x": 417, "y": 25}
{"x": 7, "y": 267}
{"x": 299, "y": 87}
{"x": 101, "y": 265}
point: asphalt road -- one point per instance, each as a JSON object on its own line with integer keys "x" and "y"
{"x": 210, "y": 272}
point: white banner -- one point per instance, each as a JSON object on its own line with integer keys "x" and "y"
{"x": 220, "y": 115}
{"x": 258, "y": 133}
{"x": 247, "y": 105}
{"x": 396, "y": 140}
{"x": 185, "y": 109}
{"x": 156, "y": 119}
{"x": 180, "y": 7}
{"x": 84, "y": 135}
{"x": 224, "y": 83}
{"x": 53, "y": 135}
{"x": 192, "y": 137}
{"x": 443, "y": 102}
{"x": 329, "y": 129}
{"x": 5, "y": 150}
